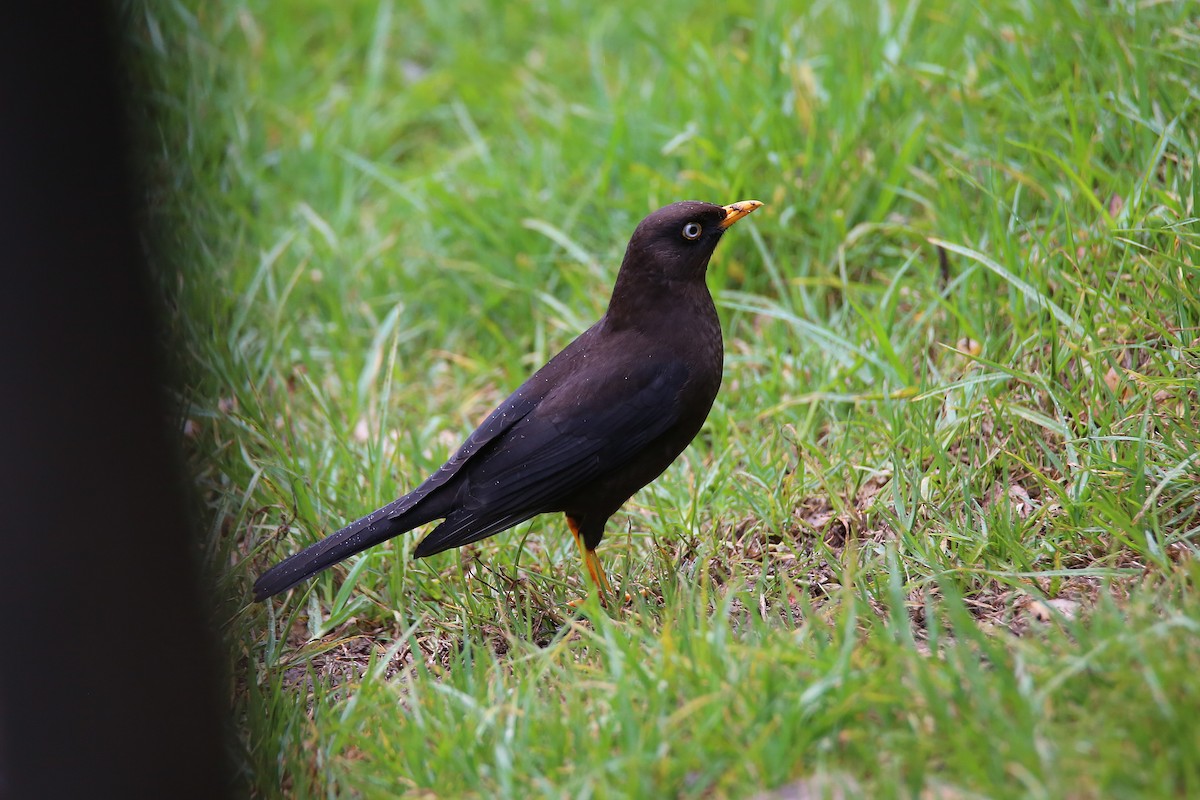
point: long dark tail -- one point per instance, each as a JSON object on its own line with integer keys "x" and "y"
{"x": 376, "y": 527}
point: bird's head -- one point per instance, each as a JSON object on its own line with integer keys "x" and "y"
{"x": 676, "y": 242}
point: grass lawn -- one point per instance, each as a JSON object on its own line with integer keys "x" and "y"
{"x": 938, "y": 537}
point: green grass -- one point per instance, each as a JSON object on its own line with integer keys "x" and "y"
{"x": 372, "y": 220}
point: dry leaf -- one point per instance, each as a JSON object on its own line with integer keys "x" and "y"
{"x": 1046, "y": 610}
{"x": 968, "y": 346}
{"x": 1021, "y": 502}
{"x": 1112, "y": 379}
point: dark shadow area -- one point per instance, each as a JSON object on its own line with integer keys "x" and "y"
{"x": 109, "y": 672}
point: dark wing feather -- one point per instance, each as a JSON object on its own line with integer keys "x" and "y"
{"x": 407, "y": 512}
{"x": 509, "y": 413}
{"x": 520, "y": 403}
{"x": 572, "y": 438}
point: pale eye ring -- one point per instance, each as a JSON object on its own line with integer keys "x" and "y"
{"x": 692, "y": 230}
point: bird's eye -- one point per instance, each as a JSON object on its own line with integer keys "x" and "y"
{"x": 692, "y": 230}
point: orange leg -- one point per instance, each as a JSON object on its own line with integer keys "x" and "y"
{"x": 592, "y": 562}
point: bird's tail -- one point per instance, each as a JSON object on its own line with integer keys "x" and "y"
{"x": 376, "y": 527}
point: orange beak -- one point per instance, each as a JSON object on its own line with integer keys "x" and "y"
{"x": 735, "y": 211}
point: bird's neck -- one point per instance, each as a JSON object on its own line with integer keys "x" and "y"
{"x": 647, "y": 303}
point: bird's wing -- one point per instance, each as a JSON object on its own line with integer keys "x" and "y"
{"x": 404, "y": 513}
{"x": 507, "y": 414}
{"x": 515, "y": 407}
{"x": 586, "y": 427}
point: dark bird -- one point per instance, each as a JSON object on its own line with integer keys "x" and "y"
{"x": 599, "y": 421}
